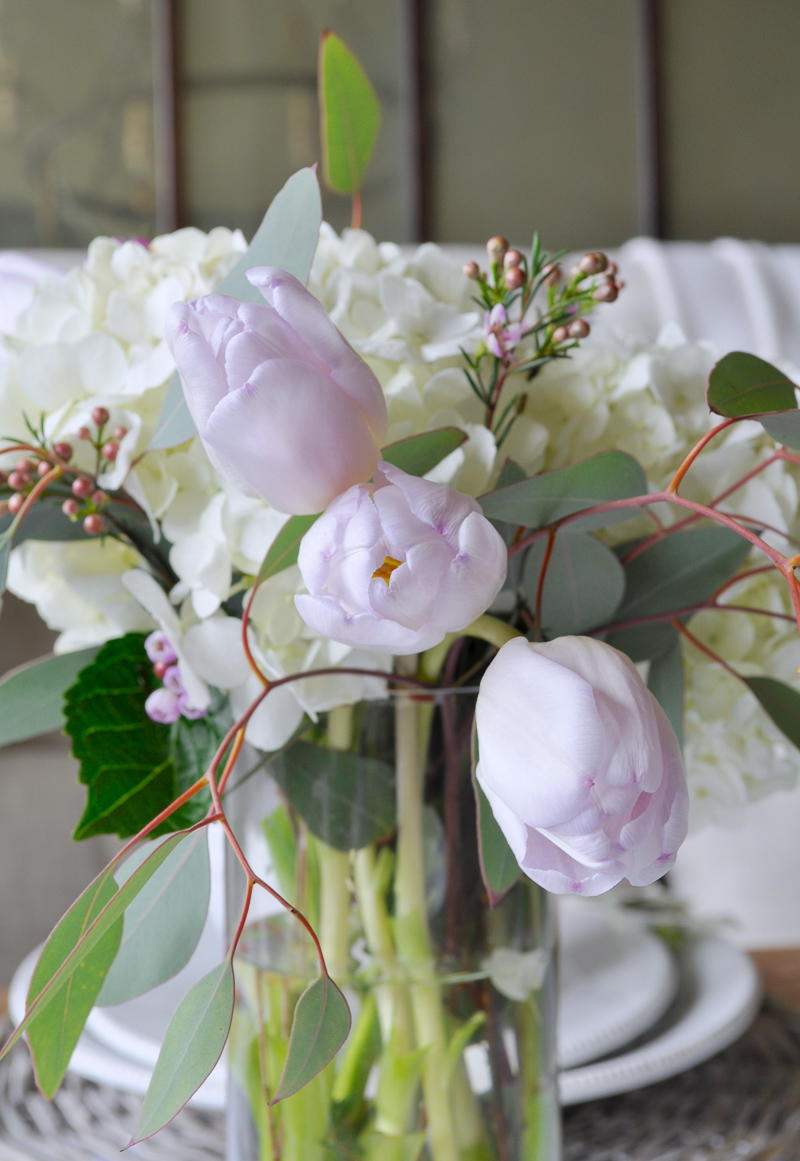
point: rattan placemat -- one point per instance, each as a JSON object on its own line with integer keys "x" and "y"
{"x": 744, "y": 1103}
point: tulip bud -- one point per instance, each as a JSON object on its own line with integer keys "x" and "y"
{"x": 70, "y": 508}
{"x": 560, "y": 335}
{"x": 594, "y": 263}
{"x": 93, "y": 525}
{"x": 512, "y": 258}
{"x": 514, "y": 278}
{"x": 425, "y": 562}
{"x": 18, "y": 482}
{"x": 496, "y": 248}
{"x": 82, "y": 487}
{"x": 100, "y": 416}
{"x": 580, "y": 766}
{"x": 472, "y": 270}
{"x": 110, "y": 450}
{"x": 296, "y": 416}
{"x": 578, "y": 329}
{"x": 15, "y": 503}
{"x": 63, "y": 450}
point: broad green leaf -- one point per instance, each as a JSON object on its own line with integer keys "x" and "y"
{"x": 76, "y": 947}
{"x": 192, "y": 1046}
{"x": 499, "y": 868}
{"x": 741, "y": 384}
{"x": 46, "y": 521}
{"x": 163, "y": 924}
{"x": 421, "y": 453}
{"x": 781, "y": 702}
{"x": 665, "y": 682}
{"x": 783, "y": 426}
{"x": 583, "y": 586}
{"x": 680, "y": 570}
{"x": 32, "y": 696}
{"x": 287, "y": 238}
{"x": 285, "y": 547}
{"x": 52, "y": 1036}
{"x": 319, "y": 1029}
{"x": 542, "y": 500}
{"x": 350, "y": 116}
{"x": 133, "y": 767}
{"x": 346, "y": 800}
{"x": 642, "y": 642}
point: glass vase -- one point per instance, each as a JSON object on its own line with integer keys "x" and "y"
{"x": 367, "y": 823}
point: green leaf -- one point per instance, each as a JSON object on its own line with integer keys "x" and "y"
{"x": 163, "y": 924}
{"x": 665, "y": 682}
{"x": 642, "y": 642}
{"x": 32, "y": 695}
{"x": 285, "y": 547}
{"x": 319, "y": 1029}
{"x": 192, "y": 1046}
{"x": 783, "y": 426}
{"x": 419, "y": 454}
{"x": 350, "y": 115}
{"x": 346, "y": 800}
{"x": 542, "y": 500}
{"x": 287, "y": 238}
{"x": 73, "y": 946}
{"x": 680, "y": 570}
{"x": 741, "y": 384}
{"x": 583, "y": 586}
{"x": 459, "y": 1041}
{"x": 781, "y": 702}
{"x": 499, "y": 867}
{"x": 52, "y": 1036}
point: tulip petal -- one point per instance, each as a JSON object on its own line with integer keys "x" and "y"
{"x": 196, "y": 365}
{"x": 326, "y": 616}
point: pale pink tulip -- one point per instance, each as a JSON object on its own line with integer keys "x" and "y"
{"x": 398, "y": 564}
{"x": 284, "y": 406}
{"x": 580, "y": 765}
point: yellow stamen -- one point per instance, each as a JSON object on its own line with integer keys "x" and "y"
{"x": 387, "y": 568}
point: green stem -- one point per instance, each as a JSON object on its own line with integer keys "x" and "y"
{"x": 334, "y": 866}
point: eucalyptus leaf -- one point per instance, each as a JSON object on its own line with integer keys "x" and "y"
{"x": 419, "y": 454}
{"x": 350, "y": 116}
{"x": 643, "y": 642}
{"x": 583, "y": 587}
{"x": 781, "y": 702}
{"x": 499, "y": 867}
{"x": 32, "y": 695}
{"x": 287, "y": 238}
{"x": 741, "y": 384}
{"x": 192, "y": 1046}
{"x": 666, "y": 683}
{"x": 345, "y": 799}
{"x": 544, "y": 499}
{"x": 52, "y": 1036}
{"x": 783, "y": 426}
{"x": 681, "y": 569}
{"x": 72, "y": 941}
{"x": 319, "y": 1029}
{"x": 283, "y": 551}
{"x": 163, "y": 924}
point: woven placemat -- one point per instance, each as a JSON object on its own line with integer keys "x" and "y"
{"x": 744, "y": 1103}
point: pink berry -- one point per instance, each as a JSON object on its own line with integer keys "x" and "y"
{"x": 594, "y": 263}
{"x": 70, "y": 507}
{"x": 100, "y": 416}
{"x": 82, "y": 488}
{"x": 84, "y": 433}
{"x": 93, "y": 525}
{"x": 120, "y": 432}
{"x": 23, "y": 466}
{"x": 110, "y": 450}
{"x": 496, "y": 248}
{"x": 64, "y": 450}
{"x": 17, "y": 481}
{"x": 44, "y": 468}
{"x": 99, "y": 497}
{"x": 15, "y": 503}
{"x": 552, "y": 273}
{"x": 608, "y": 292}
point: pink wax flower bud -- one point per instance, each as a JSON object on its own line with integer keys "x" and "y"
{"x": 191, "y": 712}
{"x": 159, "y": 648}
{"x": 580, "y": 765}
{"x": 284, "y": 406}
{"x": 163, "y": 706}
{"x": 172, "y": 679}
{"x": 398, "y": 564}
{"x": 499, "y": 334}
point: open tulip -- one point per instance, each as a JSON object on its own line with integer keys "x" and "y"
{"x": 283, "y": 404}
{"x": 580, "y": 766}
{"x": 398, "y": 564}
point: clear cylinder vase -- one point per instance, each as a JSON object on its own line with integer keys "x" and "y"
{"x": 367, "y": 823}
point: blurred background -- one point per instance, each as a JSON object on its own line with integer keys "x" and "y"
{"x": 591, "y": 122}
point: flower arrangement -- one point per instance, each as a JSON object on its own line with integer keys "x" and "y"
{"x": 399, "y": 480}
